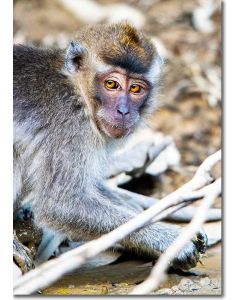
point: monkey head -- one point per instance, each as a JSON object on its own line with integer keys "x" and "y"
{"x": 118, "y": 72}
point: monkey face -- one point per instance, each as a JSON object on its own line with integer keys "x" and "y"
{"x": 118, "y": 70}
{"x": 121, "y": 96}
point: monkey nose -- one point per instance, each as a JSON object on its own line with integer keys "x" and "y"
{"x": 123, "y": 111}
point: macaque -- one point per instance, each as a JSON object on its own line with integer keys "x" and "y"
{"x": 72, "y": 108}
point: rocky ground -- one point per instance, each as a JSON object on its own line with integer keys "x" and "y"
{"x": 121, "y": 276}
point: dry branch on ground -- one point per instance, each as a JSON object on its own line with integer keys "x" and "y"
{"x": 52, "y": 270}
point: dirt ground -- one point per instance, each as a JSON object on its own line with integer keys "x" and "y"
{"x": 190, "y": 113}
{"x": 121, "y": 276}
{"x": 120, "y": 279}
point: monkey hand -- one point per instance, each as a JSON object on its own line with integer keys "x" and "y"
{"x": 160, "y": 236}
{"x": 191, "y": 254}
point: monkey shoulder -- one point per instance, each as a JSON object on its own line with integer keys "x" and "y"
{"x": 37, "y": 71}
{"x": 31, "y": 59}
{"x": 40, "y": 87}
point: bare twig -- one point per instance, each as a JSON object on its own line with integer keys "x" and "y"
{"x": 158, "y": 272}
{"x": 52, "y": 270}
{"x": 186, "y": 213}
{"x": 176, "y": 213}
{"x": 136, "y": 160}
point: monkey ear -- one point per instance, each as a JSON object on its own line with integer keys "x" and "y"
{"x": 74, "y": 57}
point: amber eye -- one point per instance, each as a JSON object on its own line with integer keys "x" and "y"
{"x": 135, "y": 88}
{"x": 111, "y": 84}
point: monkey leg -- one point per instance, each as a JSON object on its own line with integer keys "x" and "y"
{"x": 49, "y": 244}
{"x": 90, "y": 218}
{"x": 24, "y": 212}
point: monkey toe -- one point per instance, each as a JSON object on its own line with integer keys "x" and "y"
{"x": 22, "y": 256}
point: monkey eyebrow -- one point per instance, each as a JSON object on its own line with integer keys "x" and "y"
{"x": 140, "y": 77}
{"x": 137, "y": 76}
{"x": 121, "y": 71}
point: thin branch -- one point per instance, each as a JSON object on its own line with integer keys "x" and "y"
{"x": 52, "y": 270}
{"x": 175, "y": 213}
{"x": 202, "y": 175}
{"x": 186, "y": 213}
{"x": 158, "y": 274}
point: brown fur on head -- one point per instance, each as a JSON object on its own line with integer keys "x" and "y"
{"x": 125, "y": 58}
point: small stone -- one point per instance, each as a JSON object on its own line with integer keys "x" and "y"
{"x": 174, "y": 288}
{"x": 185, "y": 284}
{"x": 205, "y": 281}
{"x": 165, "y": 292}
{"x": 195, "y": 287}
{"x": 215, "y": 283}
{"x": 185, "y": 281}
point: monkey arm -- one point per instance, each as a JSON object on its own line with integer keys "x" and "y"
{"x": 84, "y": 218}
{"x": 92, "y": 217}
{"x": 120, "y": 199}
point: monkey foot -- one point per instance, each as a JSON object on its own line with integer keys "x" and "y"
{"x": 22, "y": 256}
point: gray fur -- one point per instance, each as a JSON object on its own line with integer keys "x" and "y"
{"x": 60, "y": 161}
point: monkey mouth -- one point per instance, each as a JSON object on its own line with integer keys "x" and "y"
{"x": 115, "y": 130}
